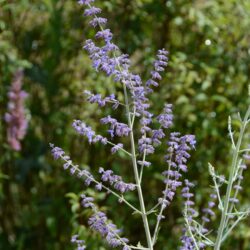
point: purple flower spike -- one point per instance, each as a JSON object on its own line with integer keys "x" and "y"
{"x": 159, "y": 66}
{"x": 99, "y": 222}
{"x": 15, "y": 117}
{"x": 166, "y": 119}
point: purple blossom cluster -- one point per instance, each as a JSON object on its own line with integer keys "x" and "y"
{"x": 99, "y": 222}
{"x": 87, "y": 131}
{"x": 178, "y": 148}
{"x": 116, "y": 128}
{"x": 116, "y": 181}
{"x": 188, "y": 240}
{"x": 106, "y": 59}
{"x": 166, "y": 119}
{"x": 152, "y": 138}
{"x": 102, "y": 101}
{"x": 15, "y": 117}
{"x": 159, "y": 64}
{"x": 145, "y": 145}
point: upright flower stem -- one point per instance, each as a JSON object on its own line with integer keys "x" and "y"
{"x": 236, "y": 152}
{"x": 136, "y": 175}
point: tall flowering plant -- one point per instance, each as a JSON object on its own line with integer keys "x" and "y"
{"x": 15, "y": 116}
{"x": 145, "y": 132}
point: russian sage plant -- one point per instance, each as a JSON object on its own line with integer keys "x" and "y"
{"x": 145, "y": 132}
{"x": 15, "y": 116}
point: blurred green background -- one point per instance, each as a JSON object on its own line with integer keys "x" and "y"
{"x": 206, "y": 80}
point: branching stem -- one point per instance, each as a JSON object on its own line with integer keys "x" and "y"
{"x": 230, "y": 183}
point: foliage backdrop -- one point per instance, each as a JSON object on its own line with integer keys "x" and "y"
{"x": 206, "y": 81}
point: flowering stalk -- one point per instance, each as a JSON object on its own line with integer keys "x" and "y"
{"x": 59, "y": 153}
{"x": 136, "y": 175}
{"x": 15, "y": 117}
{"x": 226, "y": 202}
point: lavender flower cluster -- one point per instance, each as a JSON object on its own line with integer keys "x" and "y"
{"x": 99, "y": 222}
{"x": 15, "y": 117}
{"x": 154, "y": 130}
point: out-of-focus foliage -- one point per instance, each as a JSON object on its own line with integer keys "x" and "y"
{"x": 206, "y": 81}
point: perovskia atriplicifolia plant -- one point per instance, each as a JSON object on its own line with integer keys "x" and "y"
{"x": 145, "y": 132}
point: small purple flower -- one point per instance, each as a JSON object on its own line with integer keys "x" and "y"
{"x": 145, "y": 144}
{"x": 104, "y": 34}
{"x": 116, "y": 148}
{"x": 157, "y": 136}
{"x": 166, "y": 118}
{"x": 155, "y": 75}
{"x": 98, "y": 21}
{"x": 87, "y": 201}
{"x": 92, "y": 11}
{"x": 98, "y": 186}
{"x": 56, "y": 152}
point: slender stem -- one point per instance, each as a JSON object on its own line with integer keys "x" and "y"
{"x": 142, "y": 167}
{"x": 230, "y": 183}
{"x": 158, "y": 220}
{"x": 198, "y": 231}
{"x": 235, "y": 195}
{"x": 230, "y": 131}
{"x": 189, "y": 230}
{"x": 125, "y": 151}
{"x": 160, "y": 214}
{"x": 133, "y": 117}
{"x": 163, "y": 206}
{"x": 216, "y": 186}
{"x": 244, "y": 150}
{"x": 154, "y": 208}
{"x": 232, "y": 227}
{"x": 136, "y": 174}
